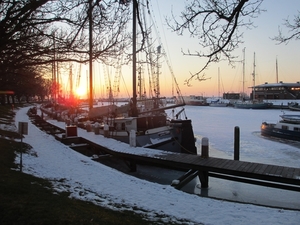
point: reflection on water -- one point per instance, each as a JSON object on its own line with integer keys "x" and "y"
{"x": 247, "y": 193}
{"x": 218, "y": 188}
{"x": 292, "y": 143}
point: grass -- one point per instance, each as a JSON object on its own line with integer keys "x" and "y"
{"x": 25, "y": 199}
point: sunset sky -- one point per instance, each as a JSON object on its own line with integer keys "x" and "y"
{"x": 257, "y": 40}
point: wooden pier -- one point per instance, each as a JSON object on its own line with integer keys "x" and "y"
{"x": 195, "y": 165}
{"x": 247, "y": 172}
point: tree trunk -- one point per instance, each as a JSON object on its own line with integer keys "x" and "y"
{"x": 7, "y": 99}
{"x": 2, "y": 99}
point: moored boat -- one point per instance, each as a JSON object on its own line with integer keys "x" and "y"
{"x": 287, "y": 128}
{"x": 195, "y": 100}
{"x": 219, "y": 103}
{"x": 294, "y": 106}
{"x": 252, "y": 105}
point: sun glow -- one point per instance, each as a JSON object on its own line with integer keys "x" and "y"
{"x": 80, "y": 91}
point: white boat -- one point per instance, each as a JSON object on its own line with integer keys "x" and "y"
{"x": 195, "y": 100}
{"x": 219, "y": 102}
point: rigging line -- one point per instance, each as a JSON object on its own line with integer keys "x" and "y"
{"x": 164, "y": 53}
{"x": 163, "y": 31}
{"x": 222, "y": 85}
{"x": 128, "y": 94}
{"x": 150, "y": 68}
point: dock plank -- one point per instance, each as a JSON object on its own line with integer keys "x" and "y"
{"x": 261, "y": 169}
{"x": 290, "y": 172}
{"x": 251, "y": 168}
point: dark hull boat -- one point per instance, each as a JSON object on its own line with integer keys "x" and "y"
{"x": 253, "y": 105}
{"x": 151, "y": 129}
{"x": 294, "y": 106}
{"x": 287, "y": 128}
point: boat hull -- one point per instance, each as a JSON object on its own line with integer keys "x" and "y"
{"x": 218, "y": 104}
{"x": 270, "y": 130}
{"x": 294, "y": 107}
{"x": 176, "y": 137}
{"x": 152, "y": 130}
{"x": 252, "y": 105}
{"x": 195, "y": 103}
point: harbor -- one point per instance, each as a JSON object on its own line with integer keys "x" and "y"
{"x": 219, "y": 128}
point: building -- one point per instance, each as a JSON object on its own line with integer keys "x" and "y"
{"x": 279, "y": 90}
{"x": 234, "y": 96}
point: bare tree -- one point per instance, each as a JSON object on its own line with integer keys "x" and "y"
{"x": 293, "y": 30}
{"x": 218, "y": 24}
{"x": 37, "y": 29}
{"x": 32, "y": 32}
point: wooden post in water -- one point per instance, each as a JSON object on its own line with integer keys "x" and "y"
{"x": 204, "y": 148}
{"x": 236, "y": 143}
{"x": 203, "y": 175}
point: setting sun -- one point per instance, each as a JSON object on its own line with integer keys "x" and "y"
{"x": 80, "y": 91}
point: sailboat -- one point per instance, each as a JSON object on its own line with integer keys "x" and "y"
{"x": 150, "y": 128}
{"x": 254, "y": 103}
{"x": 219, "y": 102}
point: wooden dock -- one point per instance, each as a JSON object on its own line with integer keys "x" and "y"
{"x": 247, "y": 172}
{"x": 194, "y": 165}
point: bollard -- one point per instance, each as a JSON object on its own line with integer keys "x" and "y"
{"x": 236, "y": 143}
{"x": 204, "y": 148}
{"x": 106, "y": 130}
{"x": 71, "y": 131}
{"x": 132, "y": 138}
{"x": 97, "y": 128}
{"x": 68, "y": 122}
{"x": 88, "y": 126}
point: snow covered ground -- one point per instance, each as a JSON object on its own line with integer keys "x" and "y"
{"x": 104, "y": 186}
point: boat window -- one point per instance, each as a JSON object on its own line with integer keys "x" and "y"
{"x": 297, "y": 129}
{"x": 285, "y": 127}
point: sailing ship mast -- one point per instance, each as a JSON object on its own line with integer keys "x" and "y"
{"x": 219, "y": 82}
{"x": 276, "y": 71}
{"x": 134, "y": 111}
{"x": 244, "y": 50}
{"x": 90, "y": 12}
{"x": 253, "y": 74}
{"x": 133, "y": 105}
